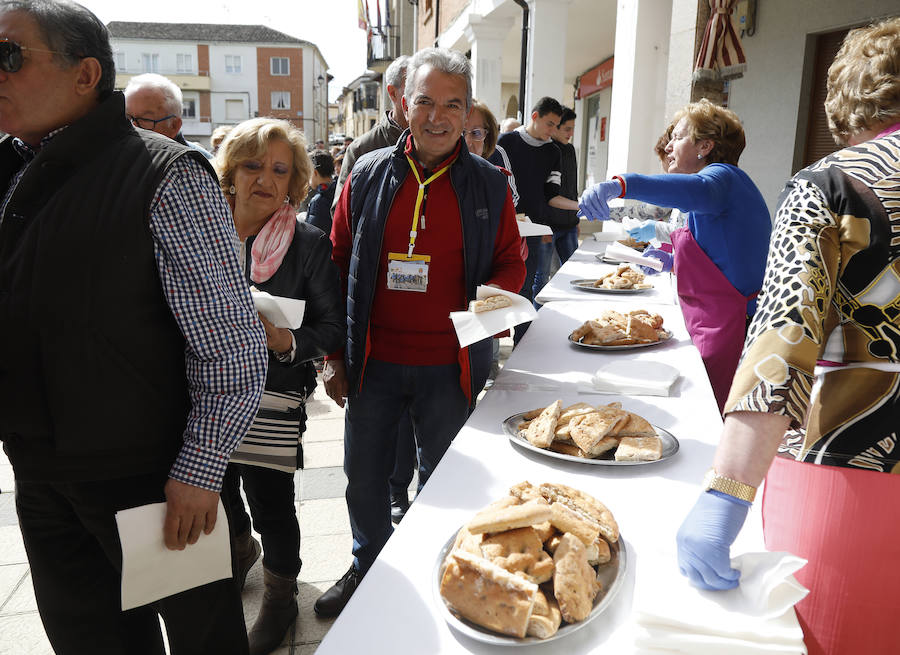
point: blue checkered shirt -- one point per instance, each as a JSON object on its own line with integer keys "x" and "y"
{"x": 225, "y": 352}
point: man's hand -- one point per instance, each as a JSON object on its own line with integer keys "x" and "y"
{"x": 277, "y": 339}
{"x": 334, "y": 374}
{"x": 189, "y": 510}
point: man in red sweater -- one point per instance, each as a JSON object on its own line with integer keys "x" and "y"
{"x": 416, "y": 229}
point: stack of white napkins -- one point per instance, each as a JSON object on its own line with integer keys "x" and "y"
{"x": 756, "y": 618}
{"x": 471, "y": 327}
{"x": 640, "y": 377}
{"x": 616, "y": 250}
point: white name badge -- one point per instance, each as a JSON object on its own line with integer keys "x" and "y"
{"x": 408, "y": 273}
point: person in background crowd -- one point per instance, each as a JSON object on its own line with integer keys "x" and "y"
{"x": 402, "y": 354}
{"x": 322, "y": 183}
{"x": 564, "y": 222}
{"x": 335, "y": 150}
{"x": 154, "y": 102}
{"x": 338, "y": 165}
{"x": 535, "y": 160}
{"x": 386, "y": 131}
{"x": 140, "y": 394}
{"x": 263, "y": 165}
{"x": 347, "y": 141}
{"x": 719, "y": 257}
{"x": 385, "y": 134}
{"x": 320, "y": 145}
{"x": 813, "y": 407}
{"x": 481, "y": 135}
{"x": 509, "y": 124}
{"x": 218, "y": 136}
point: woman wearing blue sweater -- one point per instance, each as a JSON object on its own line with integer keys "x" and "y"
{"x": 720, "y": 255}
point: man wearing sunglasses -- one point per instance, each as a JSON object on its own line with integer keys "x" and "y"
{"x": 131, "y": 357}
{"x": 154, "y": 102}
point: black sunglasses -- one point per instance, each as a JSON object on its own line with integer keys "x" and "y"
{"x": 11, "y": 55}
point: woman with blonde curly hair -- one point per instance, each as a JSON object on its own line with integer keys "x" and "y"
{"x": 814, "y": 405}
{"x": 264, "y": 171}
{"x": 720, "y": 255}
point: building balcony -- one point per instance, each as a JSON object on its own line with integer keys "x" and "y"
{"x": 382, "y": 50}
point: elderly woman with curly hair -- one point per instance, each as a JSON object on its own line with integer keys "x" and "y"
{"x": 264, "y": 170}
{"x": 814, "y": 405}
{"x": 720, "y": 255}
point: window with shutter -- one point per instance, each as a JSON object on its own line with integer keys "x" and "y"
{"x": 819, "y": 141}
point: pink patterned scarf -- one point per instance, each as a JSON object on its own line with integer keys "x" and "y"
{"x": 272, "y": 243}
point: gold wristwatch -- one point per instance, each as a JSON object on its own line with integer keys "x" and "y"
{"x": 714, "y": 481}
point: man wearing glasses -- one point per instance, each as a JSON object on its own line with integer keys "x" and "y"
{"x": 154, "y": 102}
{"x": 131, "y": 357}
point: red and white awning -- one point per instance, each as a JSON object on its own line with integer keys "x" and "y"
{"x": 721, "y": 55}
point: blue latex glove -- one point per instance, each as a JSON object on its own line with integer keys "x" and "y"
{"x": 705, "y": 538}
{"x": 644, "y": 232}
{"x": 594, "y": 203}
{"x": 667, "y": 259}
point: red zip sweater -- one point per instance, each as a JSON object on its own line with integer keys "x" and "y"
{"x": 409, "y": 327}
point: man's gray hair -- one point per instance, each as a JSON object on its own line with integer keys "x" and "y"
{"x": 395, "y": 74}
{"x": 451, "y": 62}
{"x": 170, "y": 90}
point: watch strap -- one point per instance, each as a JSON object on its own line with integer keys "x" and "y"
{"x": 715, "y": 482}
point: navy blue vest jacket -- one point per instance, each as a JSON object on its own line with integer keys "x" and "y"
{"x": 92, "y": 372}
{"x": 481, "y": 190}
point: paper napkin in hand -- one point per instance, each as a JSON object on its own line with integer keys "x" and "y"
{"x": 150, "y": 571}
{"x": 471, "y": 327}
{"x": 528, "y": 228}
{"x": 756, "y": 617}
{"x": 616, "y": 250}
{"x": 281, "y": 312}
{"x": 640, "y": 377}
{"x": 612, "y": 231}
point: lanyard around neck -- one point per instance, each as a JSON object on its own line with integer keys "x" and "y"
{"x": 420, "y": 196}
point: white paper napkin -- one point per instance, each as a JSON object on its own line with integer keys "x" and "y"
{"x": 527, "y": 228}
{"x": 282, "y": 312}
{"x": 616, "y": 250}
{"x": 756, "y": 617}
{"x": 151, "y": 571}
{"x": 471, "y": 327}
{"x": 635, "y": 377}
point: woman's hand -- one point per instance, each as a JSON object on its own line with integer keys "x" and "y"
{"x": 594, "y": 202}
{"x": 277, "y": 339}
{"x": 667, "y": 260}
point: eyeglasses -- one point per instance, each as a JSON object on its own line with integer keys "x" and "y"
{"x": 11, "y": 58}
{"x": 137, "y": 121}
{"x": 478, "y": 134}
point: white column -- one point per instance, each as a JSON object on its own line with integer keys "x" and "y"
{"x": 547, "y": 27}
{"x": 637, "y": 116}
{"x": 486, "y": 38}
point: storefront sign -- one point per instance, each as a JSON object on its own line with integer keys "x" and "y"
{"x": 596, "y": 79}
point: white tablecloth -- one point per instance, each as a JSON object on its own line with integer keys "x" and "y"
{"x": 583, "y": 264}
{"x": 394, "y": 610}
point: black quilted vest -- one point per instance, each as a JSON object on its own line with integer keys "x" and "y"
{"x": 92, "y": 373}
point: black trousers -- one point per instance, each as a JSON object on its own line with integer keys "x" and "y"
{"x": 270, "y": 494}
{"x": 73, "y": 548}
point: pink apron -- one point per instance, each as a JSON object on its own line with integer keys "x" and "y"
{"x": 846, "y": 522}
{"x": 715, "y": 313}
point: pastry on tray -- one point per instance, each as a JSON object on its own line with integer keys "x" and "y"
{"x": 527, "y": 580}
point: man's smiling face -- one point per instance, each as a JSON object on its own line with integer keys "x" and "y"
{"x": 436, "y": 111}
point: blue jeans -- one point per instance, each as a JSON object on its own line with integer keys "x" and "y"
{"x": 438, "y": 408}
{"x": 528, "y": 287}
{"x": 405, "y": 457}
{"x": 565, "y": 242}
